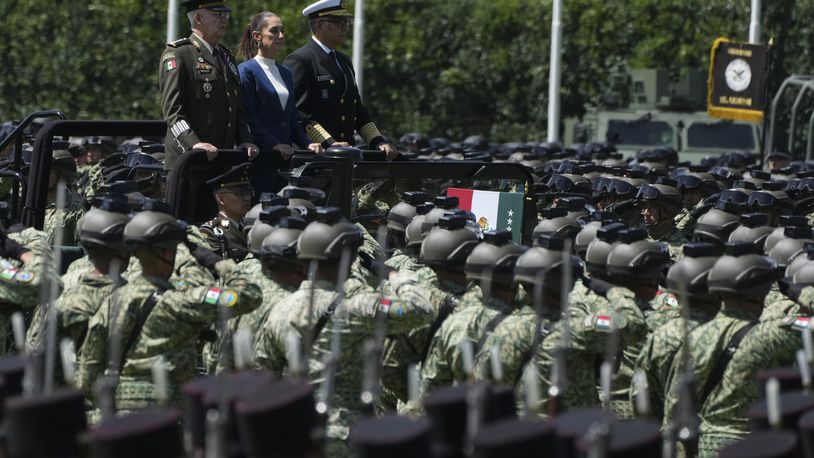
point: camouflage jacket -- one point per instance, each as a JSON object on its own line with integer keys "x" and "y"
{"x": 355, "y": 320}
{"x": 169, "y": 331}
{"x": 67, "y": 218}
{"x": 705, "y": 343}
{"x": 444, "y": 364}
{"x": 589, "y": 336}
{"x": 657, "y": 354}
{"x": 724, "y": 415}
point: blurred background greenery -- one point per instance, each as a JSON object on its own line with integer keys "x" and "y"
{"x": 443, "y": 67}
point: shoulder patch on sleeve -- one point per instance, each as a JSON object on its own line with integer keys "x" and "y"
{"x": 24, "y": 276}
{"x": 228, "y": 298}
{"x": 8, "y": 274}
{"x": 179, "y": 42}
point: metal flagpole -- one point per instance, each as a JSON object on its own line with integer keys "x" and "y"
{"x": 359, "y": 44}
{"x": 172, "y": 20}
{"x": 555, "y": 74}
{"x": 754, "y": 24}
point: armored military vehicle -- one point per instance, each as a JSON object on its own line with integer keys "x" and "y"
{"x": 644, "y": 108}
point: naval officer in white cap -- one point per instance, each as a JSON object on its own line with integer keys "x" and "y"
{"x": 324, "y": 83}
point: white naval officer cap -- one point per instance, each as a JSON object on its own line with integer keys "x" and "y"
{"x": 323, "y": 8}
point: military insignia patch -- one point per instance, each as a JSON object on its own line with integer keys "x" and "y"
{"x": 170, "y": 65}
{"x": 212, "y": 296}
{"x": 24, "y": 276}
{"x": 384, "y": 305}
{"x": 603, "y": 323}
{"x": 8, "y": 274}
{"x": 228, "y": 298}
{"x": 207, "y": 87}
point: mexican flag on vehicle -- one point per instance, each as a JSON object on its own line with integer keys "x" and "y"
{"x": 493, "y": 210}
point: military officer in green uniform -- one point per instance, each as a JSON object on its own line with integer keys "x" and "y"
{"x": 233, "y": 194}
{"x": 200, "y": 87}
{"x": 324, "y": 83}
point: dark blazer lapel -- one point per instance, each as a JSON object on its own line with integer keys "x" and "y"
{"x": 328, "y": 62}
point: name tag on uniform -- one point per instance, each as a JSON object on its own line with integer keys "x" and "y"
{"x": 324, "y": 78}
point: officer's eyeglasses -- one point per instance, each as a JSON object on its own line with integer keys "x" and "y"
{"x": 341, "y": 23}
{"x": 240, "y": 192}
{"x": 220, "y": 14}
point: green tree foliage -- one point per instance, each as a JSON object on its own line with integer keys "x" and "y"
{"x": 446, "y": 68}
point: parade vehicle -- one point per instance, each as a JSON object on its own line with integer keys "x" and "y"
{"x": 644, "y": 108}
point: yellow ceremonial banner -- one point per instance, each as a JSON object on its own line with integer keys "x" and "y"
{"x": 736, "y": 87}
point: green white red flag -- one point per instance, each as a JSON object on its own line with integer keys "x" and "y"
{"x": 493, "y": 210}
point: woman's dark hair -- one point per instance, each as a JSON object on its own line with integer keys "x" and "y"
{"x": 247, "y": 47}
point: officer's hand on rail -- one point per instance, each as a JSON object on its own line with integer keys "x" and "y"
{"x": 251, "y": 149}
{"x": 211, "y": 150}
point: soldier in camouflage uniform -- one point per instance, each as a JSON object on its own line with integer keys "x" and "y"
{"x": 233, "y": 193}
{"x": 152, "y": 319}
{"x": 63, "y": 169}
{"x": 398, "y": 218}
{"x": 660, "y": 203}
{"x": 695, "y": 187}
{"x": 517, "y": 337}
{"x": 491, "y": 264}
{"x": 636, "y": 265}
{"x": 101, "y": 236}
{"x": 443, "y": 279}
{"x": 280, "y": 273}
{"x": 725, "y": 392}
{"x": 659, "y": 350}
{"x": 357, "y": 319}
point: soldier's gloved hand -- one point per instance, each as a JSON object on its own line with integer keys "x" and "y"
{"x": 12, "y": 249}
{"x": 790, "y": 289}
{"x": 598, "y": 286}
{"x": 204, "y": 256}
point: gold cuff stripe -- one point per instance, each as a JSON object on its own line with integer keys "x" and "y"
{"x": 317, "y": 133}
{"x": 369, "y": 131}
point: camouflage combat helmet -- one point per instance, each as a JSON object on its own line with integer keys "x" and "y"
{"x": 556, "y": 222}
{"x": 663, "y": 193}
{"x": 545, "y": 262}
{"x": 104, "y": 228}
{"x": 328, "y": 236}
{"x": 743, "y": 270}
{"x": 493, "y": 259}
{"x": 280, "y": 245}
{"x": 450, "y": 244}
{"x": 780, "y": 232}
{"x": 154, "y": 228}
{"x": 403, "y": 212}
{"x": 442, "y": 206}
{"x": 716, "y": 224}
{"x": 636, "y": 257}
{"x": 789, "y": 246}
{"x": 266, "y": 220}
{"x": 413, "y": 235}
{"x": 588, "y": 232}
{"x": 596, "y": 255}
{"x": 753, "y": 229}
{"x": 689, "y": 274}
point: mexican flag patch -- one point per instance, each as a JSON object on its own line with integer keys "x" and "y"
{"x": 212, "y": 296}
{"x": 170, "y": 65}
{"x": 801, "y": 323}
{"x": 603, "y": 323}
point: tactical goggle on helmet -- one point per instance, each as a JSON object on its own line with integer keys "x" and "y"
{"x": 568, "y": 184}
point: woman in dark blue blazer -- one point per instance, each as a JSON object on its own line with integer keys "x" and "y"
{"x": 268, "y": 98}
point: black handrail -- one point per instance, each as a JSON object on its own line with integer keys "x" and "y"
{"x": 35, "y": 201}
